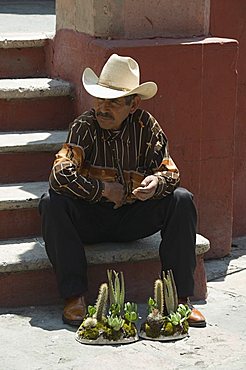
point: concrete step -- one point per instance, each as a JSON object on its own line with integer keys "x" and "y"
{"x": 22, "y": 195}
{"x": 18, "y": 207}
{"x": 30, "y": 88}
{"x": 24, "y": 40}
{"x": 24, "y": 55}
{"x": 28, "y": 155}
{"x": 35, "y": 104}
{"x": 31, "y": 141}
{"x": 25, "y": 269}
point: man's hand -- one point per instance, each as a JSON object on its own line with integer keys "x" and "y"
{"x": 114, "y": 192}
{"x": 147, "y": 188}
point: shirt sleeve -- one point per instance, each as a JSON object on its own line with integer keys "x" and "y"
{"x": 168, "y": 177}
{"x": 65, "y": 177}
{"x": 163, "y": 165}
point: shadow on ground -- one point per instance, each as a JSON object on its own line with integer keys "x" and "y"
{"x": 217, "y": 269}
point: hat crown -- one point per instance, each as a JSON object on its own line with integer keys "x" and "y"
{"x": 120, "y": 73}
{"x": 119, "y": 77}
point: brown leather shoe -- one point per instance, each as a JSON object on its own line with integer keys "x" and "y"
{"x": 74, "y": 311}
{"x": 196, "y": 319}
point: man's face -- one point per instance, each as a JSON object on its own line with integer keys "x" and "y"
{"x": 110, "y": 113}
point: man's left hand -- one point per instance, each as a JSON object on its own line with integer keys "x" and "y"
{"x": 147, "y": 188}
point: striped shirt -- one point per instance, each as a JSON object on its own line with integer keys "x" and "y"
{"x": 92, "y": 155}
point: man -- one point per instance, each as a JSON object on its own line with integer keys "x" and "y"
{"x": 114, "y": 180}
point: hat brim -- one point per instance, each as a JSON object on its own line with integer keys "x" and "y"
{"x": 90, "y": 82}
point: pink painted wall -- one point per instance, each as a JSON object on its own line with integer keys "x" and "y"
{"x": 228, "y": 19}
{"x": 195, "y": 105}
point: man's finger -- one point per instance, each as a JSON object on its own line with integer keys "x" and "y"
{"x": 141, "y": 190}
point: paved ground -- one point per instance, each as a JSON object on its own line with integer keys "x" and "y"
{"x": 34, "y": 338}
{"x": 27, "y": 16}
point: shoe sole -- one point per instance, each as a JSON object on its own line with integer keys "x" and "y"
{"x": 71, "y": 322}
{"x": 199, "y": 324}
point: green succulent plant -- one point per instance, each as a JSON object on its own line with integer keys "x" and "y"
{"x": 131, "y": 312}
{"x": 114, "y": 309}
{"x": 91, "y": 311}
{"x": 116, "y": 322}
{"x": 174, "y": 318}
{"x": 184, "y": 311}
{"x": 151, "y": 304}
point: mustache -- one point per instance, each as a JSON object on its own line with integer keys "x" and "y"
{"x": 104, "y": 115}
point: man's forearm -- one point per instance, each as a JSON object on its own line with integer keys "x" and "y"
{"x": 166, "y": 185}
{"x": 86, "y": 188}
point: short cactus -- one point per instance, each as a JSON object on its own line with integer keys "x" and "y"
{"x": 101, "y": 303}
{"x": 159, "y": 296}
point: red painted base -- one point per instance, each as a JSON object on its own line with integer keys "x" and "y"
{"x": 36, "y": 114}
{"x": 24, "y": 167}
{"x": 39, "y": 287}
{"x": 200, "y": 289}
{"x": 28, "y": 288}
{"x": 20, "y": 223}
{"x": 21, "y": 63}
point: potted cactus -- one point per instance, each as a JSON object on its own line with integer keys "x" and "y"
{"x": 166, "y": 319}
{"x": 111, "y": 320}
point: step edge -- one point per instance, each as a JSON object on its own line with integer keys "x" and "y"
{"x": 31, "y": 148}
{"x": 32, "y": 192}
{"x": 24, "y": 88}
{"x": 26, "y": 143}
{"x": 104, "y": 253}
{"x": 25, "y": 40}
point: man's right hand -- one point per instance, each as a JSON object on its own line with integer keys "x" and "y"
{"x": 114, "y": 192}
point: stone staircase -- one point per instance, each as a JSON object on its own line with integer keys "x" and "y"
{"x": 34, "y": 112}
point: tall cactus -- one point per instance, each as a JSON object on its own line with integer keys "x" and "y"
{"x": 170, "y": 292}
{"x": 101, "y": 303}
{"x": 116, "y": 288}
{"x": 158, "y": 295}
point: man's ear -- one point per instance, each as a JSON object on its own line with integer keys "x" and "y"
{"x": 135, "y": 103}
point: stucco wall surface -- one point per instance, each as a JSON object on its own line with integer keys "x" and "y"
{"x": 134, "y": 19}
{"x": 228, "y": 19}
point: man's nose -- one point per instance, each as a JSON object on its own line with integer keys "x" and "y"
{"x": 105, "y": 105}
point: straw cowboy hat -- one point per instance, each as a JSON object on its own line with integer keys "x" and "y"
{"x": 119, "y": 77}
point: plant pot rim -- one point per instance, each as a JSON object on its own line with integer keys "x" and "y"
{"x": 163, "y": 338}
{"x": 103, "y": 341}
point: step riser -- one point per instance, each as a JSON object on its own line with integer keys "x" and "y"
{"x": 36, "y": 114}
{"x": 21, "y": 63}
{"x": 24, "y": 167}
{"x": 39, "y": 287}
{"x": 19, "y": 223}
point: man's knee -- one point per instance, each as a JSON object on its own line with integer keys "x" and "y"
{"x": 182, "y": 194}
{"x": 44, "y": 202}
{"x": 49, "y": 201}
{"x": 184, "y": 202}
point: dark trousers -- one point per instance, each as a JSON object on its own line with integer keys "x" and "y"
{"x": 69, "y": 223}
